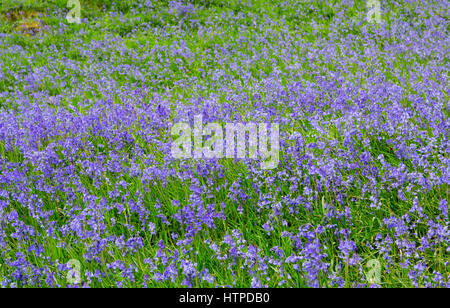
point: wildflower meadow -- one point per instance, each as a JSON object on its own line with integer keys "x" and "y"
{"x": 224, "y": 143}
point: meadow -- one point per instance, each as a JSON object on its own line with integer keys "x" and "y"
{"x": 91, "y": 195}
